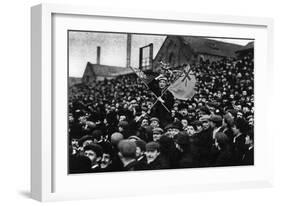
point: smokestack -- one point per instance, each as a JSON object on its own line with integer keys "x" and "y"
{"x": 129, "y": 43}
{"x": 98, "y": 55}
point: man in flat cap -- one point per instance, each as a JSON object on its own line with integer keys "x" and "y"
{"x": 154, "y": 122}
{"x": 152, "y": 154}
{"x": 172, "y": 129}
{"x": 205, "y": 141}
{"x": 94, "y": 153}
{"x": 157, "y": 132}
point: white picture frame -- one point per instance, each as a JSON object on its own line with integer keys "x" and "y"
{"x": 50, "y": 181}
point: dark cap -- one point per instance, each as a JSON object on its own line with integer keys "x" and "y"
{"x": 152, "y": 146}
{"x": 172, "y": 126}
{"x": 157, "y": 130}
{"x": 94, "y": 147}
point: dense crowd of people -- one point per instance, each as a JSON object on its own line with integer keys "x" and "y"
{"x": 115, "y": 125}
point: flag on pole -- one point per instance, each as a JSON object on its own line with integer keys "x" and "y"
{"x": 184, "y": 87}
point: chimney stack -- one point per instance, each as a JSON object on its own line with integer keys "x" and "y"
{"x": 129, "y": 43}
{"x": 98, "y": 55}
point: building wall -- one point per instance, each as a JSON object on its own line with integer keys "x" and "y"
{"x": 88, "y": 75}
{"x": 173, "y": 52}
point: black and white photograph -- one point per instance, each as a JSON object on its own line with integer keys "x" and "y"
{"x": 141, "y": 102}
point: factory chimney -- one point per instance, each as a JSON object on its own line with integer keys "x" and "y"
{"x": 98, "y": 55}
{"x": 129, "y": 45}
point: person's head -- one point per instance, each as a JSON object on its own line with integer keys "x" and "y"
{"x": 190, "y": 130}
{"x": 122, "y": 118}
{"x": 172, "y": 130}
{"x": 106, "y": 160}
{"x": 162, "y": 82}
{"x": 205, "y": 122}
{"x": 228, "y": 120}
{"x": 122, "y": 126}
{"x": 182, "y": 141}
{"x": 154, "y": 122}
{"x": 222, "y": 140}
{"x": 156, "y": 133}
{"x": 85, "y": 140}
{"x": 184, "y": 123}
{"x": 127, "y": 149}
{"x": 183, "y": 109}
{"x": 116, "y": 137}
{"x": 215, "y": 121}
{"x": 239, "y": 114}
{"x": 152, "y": 151}
{"x": 240, "y": 126}
{"x": 144, "y": 122}
{"x": 197, "y": 126}
{"x": 93, "y": 152}
{"x": 140, "y": 148}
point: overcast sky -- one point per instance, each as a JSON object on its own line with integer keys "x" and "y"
{"x": 83, "y": 49}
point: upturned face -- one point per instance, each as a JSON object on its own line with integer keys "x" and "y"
{"x": 144, "y": 122}
{"x": 183, "y": 112}
{"x": 162, "y": 84}
{"x": 190, "y": 130}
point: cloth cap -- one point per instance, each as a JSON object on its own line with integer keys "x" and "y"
{"x": 152, "y": 146}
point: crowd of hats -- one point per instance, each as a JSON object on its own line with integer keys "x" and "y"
{"x": 105, "y": 113}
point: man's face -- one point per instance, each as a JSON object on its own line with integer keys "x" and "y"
{"x": 184, "y": 123}
{"x": 151, "y": 155}
{"x": 212, "y": 124}
{"x": 205, "y": 125}
{"x": 105, "y": 161}
{"x": 139, "y": 152}
{"x": 190, "y": 130}
{"x": 251, "y": 121}
{"x": 172, "y": 132}
{"x": 183, "y": 111}
{"x": 74, "y": 143}
{"x": 154, "y": 124}
{"x": 91, "y": 155}
{"x": 162, "y": 84}
{"x": 156, "y": 137}
{"x": 144, "y": 122}
{"x": 235, "y": 130}
{"x": 199, "y": 128}
{"x": 239, "y": 115}
{"x": 122, "y": 118}
{"x": 120, "y": 129}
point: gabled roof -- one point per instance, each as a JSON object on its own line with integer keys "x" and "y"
{"x": 249, "y": 46}
{"x": 210, "y": 46}
{"x": 107, "y": 70}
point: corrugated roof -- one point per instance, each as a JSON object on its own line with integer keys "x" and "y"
{"x": 108, "y": 71}
{"x": 210, "y": 46}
